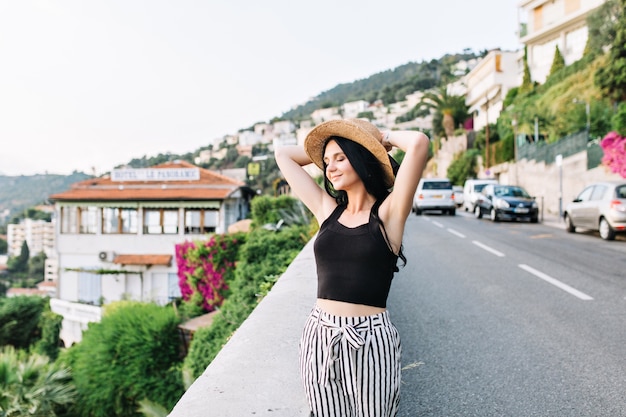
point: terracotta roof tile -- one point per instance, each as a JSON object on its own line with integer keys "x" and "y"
{"x": 143, "y": 260}
{"x": 210, "y": 186}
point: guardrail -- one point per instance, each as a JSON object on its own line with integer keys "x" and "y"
{"x": 257, "y": 372}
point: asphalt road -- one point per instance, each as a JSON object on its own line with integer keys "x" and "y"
{"x": 510, "y": 319}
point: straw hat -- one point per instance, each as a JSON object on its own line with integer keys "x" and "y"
{"x": 356, "y": 130}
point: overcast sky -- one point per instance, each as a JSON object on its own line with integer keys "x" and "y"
{"x": 90, "y": 84}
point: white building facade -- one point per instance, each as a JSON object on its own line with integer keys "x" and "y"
{"x": 546, "y": 24}
{"x": 116, "y": 235}
{"x": 487, "y": 85}
{"x": 38, "y": 235}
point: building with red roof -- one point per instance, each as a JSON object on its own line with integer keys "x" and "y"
{"x": 116, "y": 235}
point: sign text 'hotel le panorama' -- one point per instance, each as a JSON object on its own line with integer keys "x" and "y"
{"x": 156, "y": 174}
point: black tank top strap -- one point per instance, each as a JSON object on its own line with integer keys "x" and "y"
{"x": 334, "y": 216}
{"x": 378, "y": 228}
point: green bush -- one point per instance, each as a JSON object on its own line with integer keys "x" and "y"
{"x": 131, "y": 355}
{"x": 269, "y": 210}
{"x": 19, "y": 320}
{"x": 265, "y": 255}
{"x": 463, "y": 167}
{"x": 619, "y": 120}
{"x": 50, "y": 326}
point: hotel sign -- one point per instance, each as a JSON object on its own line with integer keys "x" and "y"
{"x": 156, "y": 174}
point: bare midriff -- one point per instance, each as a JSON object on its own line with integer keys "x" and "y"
{"x": 341, "y": 308}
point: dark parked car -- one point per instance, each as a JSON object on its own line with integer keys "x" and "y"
{"x": 506, "y": 202}
{"x": 600, "y": 206}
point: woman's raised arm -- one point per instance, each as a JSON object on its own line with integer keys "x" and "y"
{"x": 291, "y": 159}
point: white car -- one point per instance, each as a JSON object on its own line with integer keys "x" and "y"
{"x": 471, "y": 192}
{"x": 434, "y": 194}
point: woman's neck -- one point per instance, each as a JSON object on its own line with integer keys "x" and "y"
{"x": 360, "y": 202}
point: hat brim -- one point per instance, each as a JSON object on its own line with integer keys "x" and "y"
{"x": 356, "y": 130}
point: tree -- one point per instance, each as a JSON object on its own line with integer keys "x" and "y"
{"x": 31, "y": 386}
{"x": 527, "y": 83}
{"x": 558, "y": 62}
{"x": 601, "y": 28}
{"x": 19, "y": 320}
{"x": 611, "y": 78}
{"x": 19, "y": 264}
{"x": 3, "y": 246}
{"x": 37, "y": 266}
{"x": 450, "y": 110}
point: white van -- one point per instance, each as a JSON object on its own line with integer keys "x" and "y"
{"x": 471, "y": 189}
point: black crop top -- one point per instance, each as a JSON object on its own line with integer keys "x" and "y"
{"x": 354, "y": 265}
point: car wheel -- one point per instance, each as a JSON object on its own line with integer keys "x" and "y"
{"x": 477, "y": 213}
{"x": 418, "y": 211}
{"x": 569, "y": 226}
{"x": 493, "y": 215}
{"x": 452, "y": 212}
{"x": 606, "y": 232}
{"x": 534, "y": 220}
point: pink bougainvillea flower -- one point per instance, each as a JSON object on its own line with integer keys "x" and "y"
{"x": 614, "y": 147}
{"x": 203, "y": 268}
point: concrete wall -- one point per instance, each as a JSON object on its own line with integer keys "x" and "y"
{"x": 257, "y": 371}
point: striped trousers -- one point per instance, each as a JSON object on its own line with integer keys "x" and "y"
{"x": 350, "y": 366}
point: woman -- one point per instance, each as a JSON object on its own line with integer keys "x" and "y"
{"x": 350, "y": 351}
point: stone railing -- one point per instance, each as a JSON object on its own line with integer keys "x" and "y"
{"x": 257, "y": 373}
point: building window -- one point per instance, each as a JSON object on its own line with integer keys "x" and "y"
{"x": 173, "y": 287}
{"x": 160, "y": 221}
{"x": 119, "y": 221}
{"x": 69, "y": 220}
{"x": 88, "y": 220}
{"x": 200, "y": 221}
{"x": 89, "y": 288}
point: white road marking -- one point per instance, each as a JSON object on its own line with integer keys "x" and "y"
{"x": 556, "y": 283}
{"x": 454, "y": 232}
{"x": 487, "y": 248}
{"x": 437, "y": 224}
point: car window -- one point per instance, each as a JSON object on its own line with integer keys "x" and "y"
{"x": 620, "y": 191}
{"x": 519, "y": 192}
{"x": 437, "y": 185}
{"x": 479, "y": 187}
{"x": 501, "y": 192}
{"x": 598, "y": 192}
{"x": 585, "y": 194}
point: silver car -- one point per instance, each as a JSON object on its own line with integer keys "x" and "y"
{"x": 434, "y": 194}
{"x": 600, "y": 206}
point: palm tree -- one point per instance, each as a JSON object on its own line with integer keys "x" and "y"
{"x": 450, "y": 110}
{"x": 30, "y": 386}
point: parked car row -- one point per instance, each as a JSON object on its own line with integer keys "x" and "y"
{"x": 600, "y": 206}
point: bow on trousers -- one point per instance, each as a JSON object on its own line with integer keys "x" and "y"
{"x": 348, "y": 334}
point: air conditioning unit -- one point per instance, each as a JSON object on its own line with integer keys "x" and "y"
{"x": 106, "y": 256}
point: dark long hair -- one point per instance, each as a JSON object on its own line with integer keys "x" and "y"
{"x": 369, "y": 170}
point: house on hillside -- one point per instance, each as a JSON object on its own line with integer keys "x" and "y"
{"x": 487, "y": 85}
{"x": 116, "y": 235}
{"x": 546, "y": 24}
